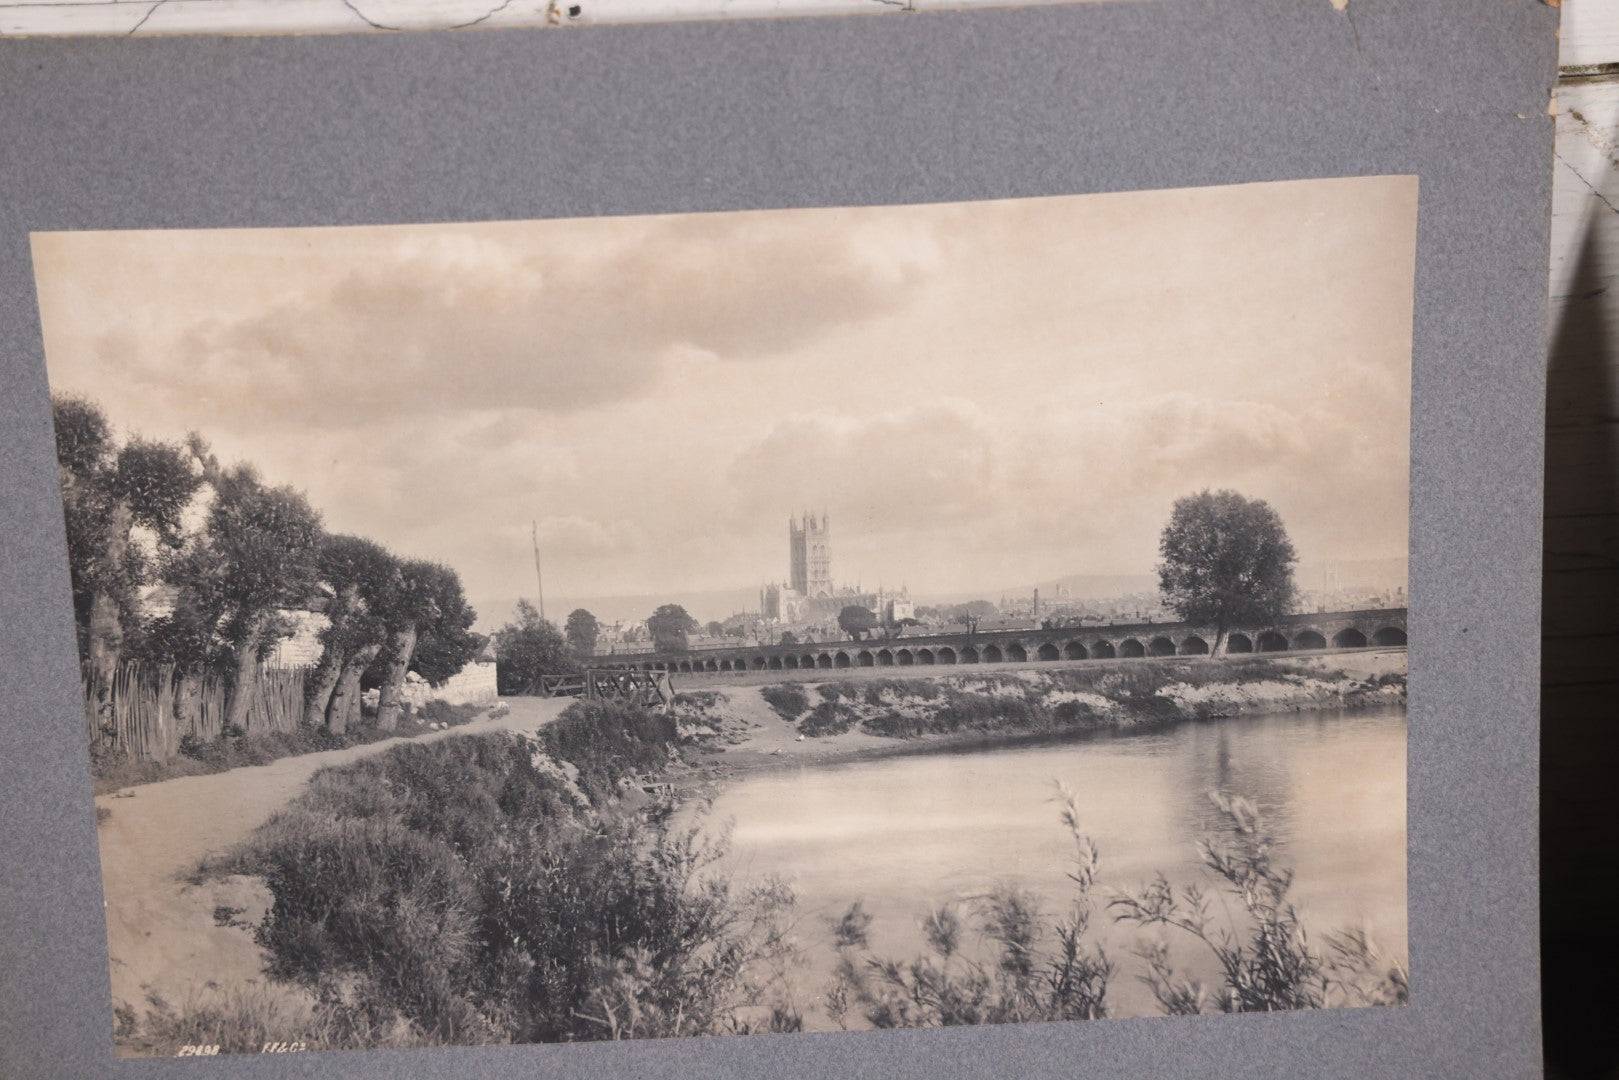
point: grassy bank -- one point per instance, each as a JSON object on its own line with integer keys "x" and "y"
{"x": 1032, "y": 702}
{"x": 496, "y": 888}
{"x": 112, "y": 772}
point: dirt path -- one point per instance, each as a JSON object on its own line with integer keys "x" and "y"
{"x": 162, "y": 936}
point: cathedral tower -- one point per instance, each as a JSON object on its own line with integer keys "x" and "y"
{"x": 809, "y": 548}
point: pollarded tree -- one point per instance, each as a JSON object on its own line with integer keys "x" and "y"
{"x": 108, "y": 491}
{"x": 429, "y": 632}
{"x": 581, "y": 631}
{"x": 669, "y": 626}
{"x": 857, "y": 621}
{"x": 528, "y": 649}
{"x": 361, "y": 575}
{"x": 262, "y": 544}
{"x": 1226, "y": 561}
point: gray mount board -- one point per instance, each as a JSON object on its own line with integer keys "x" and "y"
{"x": 213, "y": 132}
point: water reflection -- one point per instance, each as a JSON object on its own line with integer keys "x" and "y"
{"x": 907, "y": 833}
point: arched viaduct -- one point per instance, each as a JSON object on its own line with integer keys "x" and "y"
{"x": 1331, "y": 630}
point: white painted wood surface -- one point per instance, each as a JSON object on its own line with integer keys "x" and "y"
{"x": 36, "y": 17}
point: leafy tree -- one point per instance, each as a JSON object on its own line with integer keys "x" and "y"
{"x": 669, "y": 626}
{"x": 788, "y": 638}
{"x": 857, "y": 621}
{"x": 258, "y": 553}
{"x": 527, "y": 649}
{"x": 429, "y": 631}
{"x": 1226, "y": 561}
{"x": 107, "y": 491}
{"x": 581, "y": 632}
{"x": 714, "y": 628}
{"x": 362, "y": 575}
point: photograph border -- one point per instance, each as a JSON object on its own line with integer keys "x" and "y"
{"x": 219, "y": 132}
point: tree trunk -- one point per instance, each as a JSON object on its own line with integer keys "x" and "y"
{"x": 345, "y": 706}
{"x": 401, "y": 648}
{"x": 243, "y": 686}
{"x": 187, "y": 696}
{"x": 106, "y": 629}
{"x": 1217, "y": 650}
{"x": 322, "y": 682}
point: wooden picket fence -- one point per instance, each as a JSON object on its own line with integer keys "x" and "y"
{"x": 153, "y": 707}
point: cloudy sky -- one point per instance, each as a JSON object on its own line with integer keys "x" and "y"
{"x": 981, "y": 395}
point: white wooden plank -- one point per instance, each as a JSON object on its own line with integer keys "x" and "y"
{"x": 1590, "y": 34}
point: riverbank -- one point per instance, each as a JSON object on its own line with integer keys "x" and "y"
{"x": 909, "y": 711}
{"x": 169, "y": 933}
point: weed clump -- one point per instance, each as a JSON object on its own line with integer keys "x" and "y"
{"x": 788, "y": 699}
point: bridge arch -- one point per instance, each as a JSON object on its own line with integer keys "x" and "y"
{"x": 1309, "y": 639}
{"x": 790, "y": 661}
{"x": 1104, "y": 650}
{"x": 1131, "y": 647}
{"x": 1016, "y": 653}
{"x": 864, "y": 658}
{"x": 885, "y": 658}
{"x": 1049, "y": 651}
{"x": 945, "y": 655}
{"x": 1389, "y": 635}
{"x": 710, "y": 665}
{"x": 904, "y": 658}
{"x": 759, "y": 663}
{"x": 775, "y": 663}
{"x": 924, "y": 656}
{"x": 806, "y": 661}
{"x": 1194, "y": 646}
{"x": 841, "y": 660}
{"x": 991, "y": 654}
{"x": 685, "y": 666}
{"x": 1160, "y": 646}
{"x": 1349, "y": 638}
{"x": 969, "y": 655}
{"x": 824, "y": 660}
{"x": 1239, "y": 643}
{"x": 1075, "y": 650}
{"x": 1270, "y": 641}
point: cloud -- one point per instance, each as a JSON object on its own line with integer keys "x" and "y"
{"x": 929, "y": 463}
{"x": 553, "y": 323}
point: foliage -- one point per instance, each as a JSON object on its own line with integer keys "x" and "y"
{"x": 787, "y": 638}
{"x": 528, "y": 649}
{"x": 1270, "y": 964}
{"x": 431, "y": 601}
{"x": 856, "y": 621}
{"x": 713, "y": 628}
{"x": 466, "y": 889}
{"x": 669, "y": 626}
{"x": 788, "y": 699}
{"x": 1039, "y": 969}
{"x": 581, "y": 631}
{"x": 827, "y": 718}
{"x": 107, "y": 491}
{"x": 1226, "y": 560}
{"x": 608, "y": 741}
{"x": 363, "y": 577}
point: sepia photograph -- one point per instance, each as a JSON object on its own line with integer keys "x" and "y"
{"x": 743, "y": 623}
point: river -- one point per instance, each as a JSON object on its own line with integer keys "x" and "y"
{"x": 905, "y": 833}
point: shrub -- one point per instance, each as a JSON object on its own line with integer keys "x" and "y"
{"x": 827, "y": 718}
{"x": 1269, "y": 964}
{"x": 608, "y": 741}
{"x": 1026, "y": 980}
{"x": 788, "y": 699}
{"x": 463, "y": 890}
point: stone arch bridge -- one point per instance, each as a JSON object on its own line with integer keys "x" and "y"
{"x": 1371, "y": 628}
